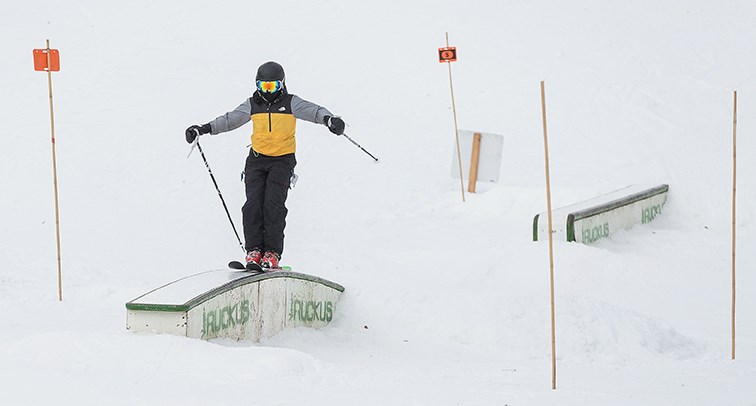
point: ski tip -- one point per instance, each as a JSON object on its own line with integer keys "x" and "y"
{"x": 236, "y": 265}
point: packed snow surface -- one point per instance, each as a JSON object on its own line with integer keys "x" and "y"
{"x": 446, "y": 303}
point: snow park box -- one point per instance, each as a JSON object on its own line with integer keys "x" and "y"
{"x": 234, "y": 304}
{"x": 595, "y": 219}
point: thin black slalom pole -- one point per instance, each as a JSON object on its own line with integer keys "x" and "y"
{"x": 199, "y": 147}
{"x": 363, "y": 149}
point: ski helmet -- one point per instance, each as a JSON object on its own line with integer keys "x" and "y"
{"x": 270, "y": 71}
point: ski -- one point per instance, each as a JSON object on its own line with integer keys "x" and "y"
{"x": 236, "y": 265}
{"x": 251, "y": 267}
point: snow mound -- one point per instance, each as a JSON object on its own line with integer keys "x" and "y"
{"x": 596, "y": 331}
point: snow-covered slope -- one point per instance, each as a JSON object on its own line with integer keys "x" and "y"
{"x": 446, "y": 303}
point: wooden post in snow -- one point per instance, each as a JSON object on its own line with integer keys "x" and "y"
{"x": 734, "y": 183}
{"x": 474, "y": 159}
{"x": 48, "y": 60}
{"x": 551, "y": 237}
{"x": 449, "y": 55}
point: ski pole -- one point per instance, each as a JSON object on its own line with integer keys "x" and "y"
{"x": 363, "y": 149}
{"x": 199, "y": 147}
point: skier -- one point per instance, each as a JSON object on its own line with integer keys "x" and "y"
{"x": 270, "y": 163}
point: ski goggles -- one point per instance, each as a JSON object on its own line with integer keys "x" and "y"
{"x": 269, "y": 86}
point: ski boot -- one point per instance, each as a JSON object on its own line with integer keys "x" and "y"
{"x": 270, "y": 260}
{"x": 253, "y": 259}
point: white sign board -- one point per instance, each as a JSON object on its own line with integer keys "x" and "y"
{"x": 489, "y": 163}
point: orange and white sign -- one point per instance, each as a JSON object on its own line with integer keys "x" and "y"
{"x": 40, "y": 60}
{"x": 448, "y": 54}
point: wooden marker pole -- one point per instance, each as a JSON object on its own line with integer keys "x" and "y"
{"x": 474, "y": 159}
{"x": 456, "y": 128}
{"x": 48, "y": 60}
{"x": 55, "y": 173}
{"x": 734, "y": 178}
{"x": 551, "y": 241}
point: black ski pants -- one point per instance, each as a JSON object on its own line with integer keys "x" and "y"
{"x": 266, "y": 181}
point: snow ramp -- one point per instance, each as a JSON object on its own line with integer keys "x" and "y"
{"x": 233, "y": 304}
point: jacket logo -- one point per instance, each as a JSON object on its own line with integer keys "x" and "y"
{"x": 282, "y": 109}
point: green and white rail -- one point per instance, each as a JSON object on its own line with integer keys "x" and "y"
{"x": 598, "y": 218}
{"x": 233, "y": 304}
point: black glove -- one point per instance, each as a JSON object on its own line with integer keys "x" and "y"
{"x": 335, "y": 124}
{"x": 195, "y": 131}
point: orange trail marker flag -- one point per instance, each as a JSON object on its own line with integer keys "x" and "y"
{"x": 48, "y": 60}
{"x": 40, "y": 60}
{"x": 448, "y": 54}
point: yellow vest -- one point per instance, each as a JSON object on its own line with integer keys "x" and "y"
{"x": 273, "y": 128}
